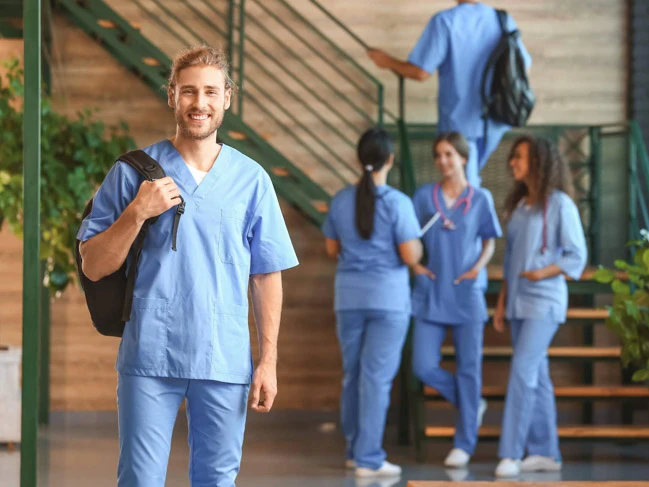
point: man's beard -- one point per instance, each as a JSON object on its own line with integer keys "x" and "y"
{"x": 196, "y": 133}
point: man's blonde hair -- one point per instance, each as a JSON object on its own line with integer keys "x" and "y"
{"x": 201, "y": 56}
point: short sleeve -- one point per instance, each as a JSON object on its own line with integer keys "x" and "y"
{"x": 113, "y": 196}
{"x": 417, "y": 201}
{"x": 431, "y": 48}
{"x": 406, "y": 226}
{"x": 572, "y": 241}
{"x": 329, "y": 227}
{"x": 526, "y": 55}
{"x": 271, "y": 249}
{"x": 489, "y": 225}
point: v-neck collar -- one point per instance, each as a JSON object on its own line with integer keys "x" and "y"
{"x": 181, "y": 174}
{"x": 442, "y": 200}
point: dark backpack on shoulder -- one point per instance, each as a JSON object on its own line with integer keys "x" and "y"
{"x": 510, "y": 99}
{"x": 110, "y": 299}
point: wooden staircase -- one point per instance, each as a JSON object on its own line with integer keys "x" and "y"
{"x": 583, "y": 355}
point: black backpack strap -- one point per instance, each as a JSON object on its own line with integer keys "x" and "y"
{"x": 147, "y": 166}
{"x": 151, "y": 170}
{"x": 136, "y": 250}
{"x": 502, "y": 20}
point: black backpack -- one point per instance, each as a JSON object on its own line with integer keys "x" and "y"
{"x": 110, "y": 299}
{"x": 510, "y": 99}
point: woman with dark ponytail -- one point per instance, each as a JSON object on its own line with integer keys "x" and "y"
{"x": 372, "y": 231}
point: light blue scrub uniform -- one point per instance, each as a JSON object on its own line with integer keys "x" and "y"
{"x": 534, "y": 311}
{"x": 372, "y": 304}
{"x": 188, "y": 335}
{"x": 458, "y": 42}
{"x": 440, "y": 305}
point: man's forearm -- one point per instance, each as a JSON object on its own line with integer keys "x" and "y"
{"x": 105, "y": 253}
{"x": 408, "y": 70}
{"x": 266, "y": 291}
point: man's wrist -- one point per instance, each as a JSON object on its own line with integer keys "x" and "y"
{"x": 134, "y": 211}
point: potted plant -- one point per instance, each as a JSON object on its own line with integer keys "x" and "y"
{"x": 75, "y": 157}
{"x": 629, "y": 314}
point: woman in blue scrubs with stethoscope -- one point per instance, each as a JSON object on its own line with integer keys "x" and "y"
{"x": 460, "y": 224}
{"x": 545, "y": 242}
{"x": 372, "y": 230}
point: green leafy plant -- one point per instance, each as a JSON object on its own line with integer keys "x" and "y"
{"x": 75, "y": 157}
{"x": 629, "y": 314}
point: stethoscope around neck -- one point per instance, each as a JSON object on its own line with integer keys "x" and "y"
{"x": 447, "y": 223}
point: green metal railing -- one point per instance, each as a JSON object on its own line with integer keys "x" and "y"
{"x": 638, "y": 182}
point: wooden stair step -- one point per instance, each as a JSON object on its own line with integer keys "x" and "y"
{"x": 578, "y": 431}
{"x": 580, "y": 352}
{"x": 320, "y": 206}
{"x": 281, "y": 172}
{"x": 567, "y": 391}
{"x": 576, "y": 313}
{"x": 150, "y": 61}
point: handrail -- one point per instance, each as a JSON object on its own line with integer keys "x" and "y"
{"x": 300, "y": 141}
{"x": 300, "y": 82}
{"x": 301, "y": 125}
{"x": 350, "y": 59}
{"x": 340, "y": 24}
{"x": 313, "y": 49}
{"x": 162, "y": 24}
{"x": 175, "y": 17}
{"x": 295, "y": 56}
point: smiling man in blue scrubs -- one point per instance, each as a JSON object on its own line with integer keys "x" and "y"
{"x": 457, "y": 44}
{"x": 188, "y": 337}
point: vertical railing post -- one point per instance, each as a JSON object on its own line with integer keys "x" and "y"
{"x": 242, "y": 37}
{"x": 633, "y": 179}
{"x": 595, "y": 194}
{"x": 381, "y": 102}
{"x": 31, "y": 240}
{"x": 44, "y": 362}
{"x": 231, "y": 7}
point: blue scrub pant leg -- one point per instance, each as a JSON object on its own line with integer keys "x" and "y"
{"x": 147, "y": 409}
{"x": 463, "y": 389}
{"x": 530, "y": 410}
{"x": 544, "y": 439}
{"x": 371, "y": 342}
{"x": 473, "y": 164}
{"x": 479, "y": 154}
{"x": 216, "y": 416}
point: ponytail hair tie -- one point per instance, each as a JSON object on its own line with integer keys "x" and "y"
{"x": 369, "y": 168}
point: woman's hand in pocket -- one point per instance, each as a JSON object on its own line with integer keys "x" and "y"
{"x": 421, "y": 270}
{"x": 468, "y": 275}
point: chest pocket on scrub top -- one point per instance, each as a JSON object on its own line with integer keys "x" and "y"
{"x": 232, "y": 242}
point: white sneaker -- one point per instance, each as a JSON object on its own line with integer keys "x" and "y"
{"x": 482, "y": 408}
{"x": 457, "y": 459}
{"x": 457, "y": 474}
{"x": 350, "y": 463}
{"x": 386, "y": 470}
{"x": 538, "y": 463}
{"x": 377, "y": 482}
{"x": 508, "y": 468}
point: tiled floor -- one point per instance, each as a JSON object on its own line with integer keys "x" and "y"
{"x": 291, "y": 449}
